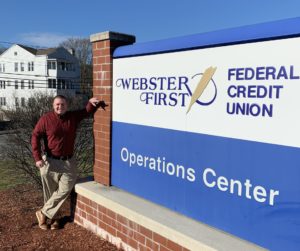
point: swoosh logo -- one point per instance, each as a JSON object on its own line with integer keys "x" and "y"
{"x": 206, "y": 78}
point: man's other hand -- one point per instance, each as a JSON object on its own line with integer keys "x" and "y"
{"x": 39, "y": 163}
{"x": 94, "y": 101}
{"x": 97, "y": 103}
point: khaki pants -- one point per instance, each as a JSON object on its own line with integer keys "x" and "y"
{"x": 58, "y": 179}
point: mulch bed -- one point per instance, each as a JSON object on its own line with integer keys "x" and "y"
{"x": 19, "y": 229}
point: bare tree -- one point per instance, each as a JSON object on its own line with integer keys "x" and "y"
{"x": 83, "y": 52}
{"x": 23, "y": 121}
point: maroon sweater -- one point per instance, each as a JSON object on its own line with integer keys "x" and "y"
{"x": 57, "y": 132}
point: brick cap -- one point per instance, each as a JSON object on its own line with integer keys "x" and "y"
{"x": 111, "y": 35}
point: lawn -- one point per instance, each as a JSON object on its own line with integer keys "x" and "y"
{"x": 9, "y": 177}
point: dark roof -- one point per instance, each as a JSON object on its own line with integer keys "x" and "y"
{"x": 31, "y": 50}
{"x": 38, "y": 51}
{"x": 45, "y": 51}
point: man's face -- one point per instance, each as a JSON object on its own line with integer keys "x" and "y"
{"x": 60, "y": 106}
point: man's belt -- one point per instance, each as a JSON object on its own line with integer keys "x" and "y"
{"x": 60, "y": 157}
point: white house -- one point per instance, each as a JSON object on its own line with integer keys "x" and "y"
{"x": 25, "y": 71}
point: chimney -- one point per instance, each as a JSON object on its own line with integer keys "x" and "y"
{"x": 71, "y": 51}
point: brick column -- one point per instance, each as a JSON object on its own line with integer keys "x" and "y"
{"x": 103, "y": 46}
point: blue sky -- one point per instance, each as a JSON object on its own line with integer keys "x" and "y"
{"x": 47, "y": 22}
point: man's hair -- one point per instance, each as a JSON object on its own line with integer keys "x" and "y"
{"x": 61, "y": 97}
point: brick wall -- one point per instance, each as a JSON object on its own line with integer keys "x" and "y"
{"x": 103, "y": 47}
{"x": 115, "y": 228}
{"x": 119, "y": 230}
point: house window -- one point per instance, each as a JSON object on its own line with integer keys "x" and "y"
{"x": 52, "y": 83}
{"x": 22, "y": 84}
{"x": 2, "y": 84}
{"x": 31, "y": 101}
{"x": 30, "y": 84}
{"x": 22, "y": 66}
{"x": 59, "y": 84}
{"x": 16, "y": 66}
{"x": 2, "y": 101}
{"x": 62, "y": 66}
{"x": 17, "y": 102}
{"x": 30, "y": 66}
{"x": 16, "y": 84}
{"x": 63, "y": 84}
{"x": 22, "y": 102}
{"x": 51, "y": 65}
{"x": 16, "y": 53}
{"x": 0, "y": 67}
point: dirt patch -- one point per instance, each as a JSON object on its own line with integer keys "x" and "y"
{"x": 19, "y": 229}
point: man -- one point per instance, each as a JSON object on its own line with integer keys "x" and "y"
{"x": 56, "y": 162}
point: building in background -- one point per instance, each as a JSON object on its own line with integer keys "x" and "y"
{"x": 25, "y": 71}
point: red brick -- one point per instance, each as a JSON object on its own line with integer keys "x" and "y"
{"x": 111, "y": 214}
{"x": 152, "y": 245}
{"x": 106, "y": 67}
{"x": 146, "y": 232}
{"x": 85, "y": 200}
{"x": 127, "y": 231}
{"x": 134, "y": 226}
{"x": 116, "y": 225}
{"x": 143, "y": 248}
{"x": 83, "y": 214}
{"x": 79, "y": 220}
{"x": 76, "y": 217}
{"x": 92, "y": 219}
{"x": 160, "y": 239}
{"x": 122, "y": 236}
{"x": 94, "y": 204}
{"x": 107, "y": 219}
{"x": 80, "y": 205}
{"x": 100, "y": 215}
{"x": 89, "y": 210}
{"x": 101, "y": 224}
{"x": 108, "y": 59}
{"x": 163, "y": 248}
{"x": 96, "y": 53}
{"x": 131, "y": 242}
{"x": 111, "y": 230}
{"x": 139, "y": 237}
{"x": 122, "y": 219}
{"x": 102, "y": 209}
{"x": 173, "y": 246}
{"x": 100, "y": 60}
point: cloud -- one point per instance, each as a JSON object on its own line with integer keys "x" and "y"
{"x": 43, "y": 39}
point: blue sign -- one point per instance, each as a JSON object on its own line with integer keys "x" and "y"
{"x": 213, "y": 133}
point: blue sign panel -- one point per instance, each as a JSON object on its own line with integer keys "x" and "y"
{"x": 245, "y": 188}
{"x": 213, "y": 134}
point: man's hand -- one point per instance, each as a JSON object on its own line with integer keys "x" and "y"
{"x": 39, "y": 163}
{"x": 94, "y": 101}
{"x": 97, "y": 103}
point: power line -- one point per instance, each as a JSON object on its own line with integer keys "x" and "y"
{"x": 44, "y": 76}
{"x": 43, "y": 81}
{"x": 28, "y": 45}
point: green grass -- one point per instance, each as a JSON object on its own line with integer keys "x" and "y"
{"x": 9, "y": 177}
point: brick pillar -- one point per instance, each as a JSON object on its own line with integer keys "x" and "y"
{"x": 103, "y": 46}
